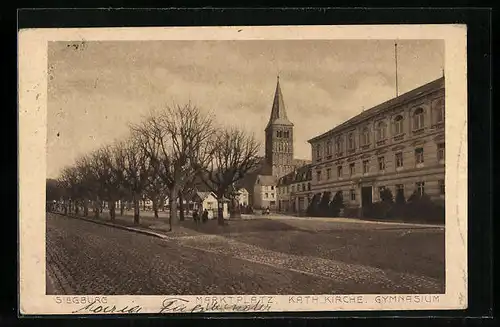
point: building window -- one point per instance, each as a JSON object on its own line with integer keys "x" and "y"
{"x": 381, "y": 131}
{"x": 381, "y": 163}
{"x": 366, "y": 166}
{"x": 350, "y": 141}
{"x": 303, "y": 187}
{"x": 399, "y": 159}
{"x": 365, "y": 136}
{"x": 293, "y": 188}
{"x": 441, "y": 186}
{"x": 318, "y": 175}
{"x": 328, "y": 173}
{"x": 266, "y": 195}
{"x": 419, "y": 155}
{"x": 278, "y": 133}
{"x": 440, "y": 151}
{"x": 328, "y": 147}
{"x": 272, "y": 195}
{"x": 298, "y": 188}
{"x": 338, "y": 145}
{"x": 438, "y": 111}
{"x": 308, "y": 186}
{"x": 353, "y": 195}
{"x": 286, "y": 134}
{"x": 339, "y": 171}
{"x": 352, "y": 168}
{"x": 318, "y": 151}
{"x": 418, "y": 119}
{"x": 272, "y": 187}
{"x": 420, "y": 188}
{"x": 398, "y": 125}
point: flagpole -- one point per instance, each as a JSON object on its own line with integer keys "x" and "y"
{"x": 396, "y": 61}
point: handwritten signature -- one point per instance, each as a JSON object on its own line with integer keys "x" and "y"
{"x": 180, "y": 305}
{"x": 176, "y": 305}
{"x": 92, "y": 307}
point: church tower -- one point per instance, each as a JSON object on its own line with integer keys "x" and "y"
{"x": 279, "y": 138}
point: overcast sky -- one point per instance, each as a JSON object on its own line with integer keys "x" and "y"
{"x": 94, "y": 91}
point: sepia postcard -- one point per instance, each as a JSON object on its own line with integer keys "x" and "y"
{"x": 242, "y": 169}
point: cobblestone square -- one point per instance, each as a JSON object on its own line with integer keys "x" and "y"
{"x": 256, "y": 256}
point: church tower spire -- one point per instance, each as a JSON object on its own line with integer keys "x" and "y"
{"x": 279, "y": 137}
{"x": 278, "y": 111}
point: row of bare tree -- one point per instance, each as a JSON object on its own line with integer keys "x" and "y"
{"x": 163, "y": 157}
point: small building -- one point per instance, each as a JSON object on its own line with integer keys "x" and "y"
{"x": 208, "y": 201}
{"x": 265, "y": 192}
{"x": 294, "y": 190}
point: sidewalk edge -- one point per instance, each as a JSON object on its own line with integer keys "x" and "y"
{"x": 131, "y": 229}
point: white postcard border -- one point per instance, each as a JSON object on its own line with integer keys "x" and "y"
{"x": 32, "y": 67}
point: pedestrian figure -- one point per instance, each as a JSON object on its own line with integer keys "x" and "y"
{"x": 196, "y": 218}
{"x": 204, "y": 217}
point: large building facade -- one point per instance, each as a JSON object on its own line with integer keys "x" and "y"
{"x": 399, "y": 145}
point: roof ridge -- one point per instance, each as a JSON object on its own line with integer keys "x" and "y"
{"x": 386, "y": 105}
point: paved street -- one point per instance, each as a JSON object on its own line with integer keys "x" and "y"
{"x": 262, "y": 256}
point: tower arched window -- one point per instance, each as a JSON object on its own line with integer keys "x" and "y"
{"x": 381, "y": 131}
{"x": 418, "y": 119}
{"x": 328, "y": 147}
{"x": 398, "y": 125}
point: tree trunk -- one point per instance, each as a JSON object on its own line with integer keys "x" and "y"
{"x": 235, "y": 211}
{"x": 136, "y": 210}
{"x": 144, "y": 205}
{"x": 97, "y": 209}
{"x": 112, "y": 212}
{"x": 65, "y": 208}
{"x": 122, "y": 207}
{"x": 85, "y": 207}
{"x": 155, "y": 207}
{"x": 173, "y": 219}
{"x": 181, "y": 207}
{"x": 161, "y": 204}
{"x": 77, "y": 207}
{"x": 220, "y": 212}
